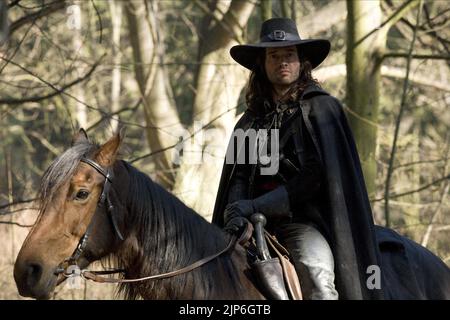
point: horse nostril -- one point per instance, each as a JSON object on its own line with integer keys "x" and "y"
{"x": 34, "y": 273}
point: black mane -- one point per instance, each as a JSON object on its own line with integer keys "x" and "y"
{"x": 170, "y": 236}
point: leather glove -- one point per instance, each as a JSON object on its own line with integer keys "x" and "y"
{"x": 243, "y": 208}
{"x": 235, "y": 215}
{"x": 274, "y": 204}
{"x": 235, "y": 225}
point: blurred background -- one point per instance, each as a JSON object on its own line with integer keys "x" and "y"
{"x": 162, "y": 70}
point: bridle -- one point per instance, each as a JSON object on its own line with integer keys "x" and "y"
{"x": 105, "y": 201}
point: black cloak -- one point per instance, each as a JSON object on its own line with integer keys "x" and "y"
{"x": 346, "y": 209}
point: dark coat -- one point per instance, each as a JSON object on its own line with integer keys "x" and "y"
{"x": 346, "y": 209}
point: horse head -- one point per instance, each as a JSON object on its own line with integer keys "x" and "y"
{"x": 71, "y": 227}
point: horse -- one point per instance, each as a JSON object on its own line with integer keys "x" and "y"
{"x": 95, "y": 206}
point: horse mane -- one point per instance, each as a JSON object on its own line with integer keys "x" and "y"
{"x": 62, "y": 169}
{"x": 169, "y": 236}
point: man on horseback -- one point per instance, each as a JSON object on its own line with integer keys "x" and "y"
{"x": 316, "y": 202}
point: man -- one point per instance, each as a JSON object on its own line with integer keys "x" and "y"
{"x": 316, "y": 203}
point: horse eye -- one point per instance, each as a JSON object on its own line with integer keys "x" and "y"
{"x": 82, "y": 195}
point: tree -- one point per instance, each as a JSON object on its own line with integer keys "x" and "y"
{"x": 4, "y": 23}
{"x": 218, "y": 85}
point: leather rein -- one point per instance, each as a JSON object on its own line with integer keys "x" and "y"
{"x": 96, "y": 276}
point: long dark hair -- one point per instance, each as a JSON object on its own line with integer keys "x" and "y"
{"x": 259, "y": 87}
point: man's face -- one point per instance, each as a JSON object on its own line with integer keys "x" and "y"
{"x": 282, "y": 66}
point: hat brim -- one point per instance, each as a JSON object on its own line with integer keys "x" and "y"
{"x": 315, "y": 50}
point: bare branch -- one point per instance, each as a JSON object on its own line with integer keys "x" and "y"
{"x": 50, "y": 8}
{"x": 222, "y": 22}
{"x": 60, "y": 91}
{"x": 427, "y": 161}
{"x": 431, "y": 31}
{"x": 399, "y": 13}
{"x": 17, "y": 224}
{"x": 421, "y": 79}
{"x": 390, "y": 21}
{"x": 398, "y": 121}
{"x": 443, "y": 228}
{"x": 21, "y": 209}
{"x": 99, "y": 17}
{"x": 416, "y": 56}
{"x": 17, "y": 202}
{"x": 17, "y": 47}
{"x": 45, "y": 142}
{"x": 340, "y": 70}
{"x": 444, "y": 194}
{"x": 428, "y": 185}
{"x": 57, "y": 91}
{"x": 427, "y": 234}
{"x": 184, "y": 139}
{"x": 112, "y": 114}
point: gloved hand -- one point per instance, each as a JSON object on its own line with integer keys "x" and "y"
{"x": 243, "y": 208}
{"x": 274, "y": 204}
{"x": 235, "y": 225}
{"x": 235, "y": 215}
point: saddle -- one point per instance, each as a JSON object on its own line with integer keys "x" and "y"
{"x": 274, "y": 272}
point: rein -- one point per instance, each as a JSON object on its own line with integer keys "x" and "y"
{"x": 96, "y": 276}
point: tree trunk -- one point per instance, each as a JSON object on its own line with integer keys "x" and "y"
{"x": 163, "y": 123}
{"x": 116, "y": 21}
{"x": 219, "y": 83}
{"x": 285, "y": 8}
{"x": 9, "y": 183}
{"x": 4, "y": 23}
{"x": 366, "y": 43}
{"x": 77, "y": 43}
{"x": 364, "y": 48}
{"x": 266, "y": 9}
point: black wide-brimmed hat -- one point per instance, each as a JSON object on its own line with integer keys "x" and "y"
{"x": 277, "y": 33}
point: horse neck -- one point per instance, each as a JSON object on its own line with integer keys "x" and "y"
{"x": 165, "y": 235}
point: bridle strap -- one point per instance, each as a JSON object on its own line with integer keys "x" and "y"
{"x": 103, "y": 201}
{"x": 97, "y": 167}
{"x": 81, "y": 245}
{"x": 95, "y": 276}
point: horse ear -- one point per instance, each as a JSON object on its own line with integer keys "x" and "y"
{"x": 107, "y": 153}
{"x": 79, "y": 137}
{"x": 121, "y": 132}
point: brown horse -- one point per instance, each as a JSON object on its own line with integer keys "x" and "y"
{"x": 160, "y": 234}
{"x": 94, "y": 206}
